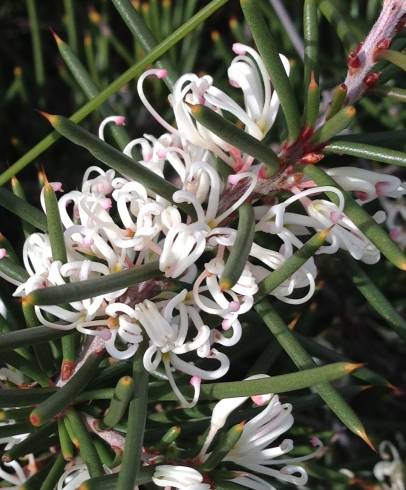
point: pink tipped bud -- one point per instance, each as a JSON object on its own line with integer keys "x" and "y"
{"x": 239, "y": 48}
{"x": 106, "y": 203}
{"x": 394, "y": 233}
{"x": 196, "y": 381}
{"x": 315, "y": 441}
{"x": 88, "y": 242}
{"x": 381, "y": 188}
{"x": 3, "y": 253}
{"x": 233, "y": 179}
{"x": 261, "y": 400}
{"x": 234, "y": 306}
{"x": 161, "y": 73}
{"x": 161, "y": 154}
{"x": 226, "y": 324}
{"x": 56, "y": 186}
{"x": 234, "y": 83}
{"x": 335, "y": 216}
{"x": 120, "y": 121}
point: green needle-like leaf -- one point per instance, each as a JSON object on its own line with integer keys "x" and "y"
{"x": 267, "y": 48}
{"x": 223, "y": 447}
{"x": 131, "y": 462}
{"x": 115, "y": 159}
{"x": 119, "y": 403}
{"x": 10, "y": 269}
{"x": 374, "y": 296}
{"x": 369, "y": 152}
{"x": 36, "y": 440}
{"x": 65, "y": 395}
{"x": 16, "y": 397}
{"x": 337, "y": 101}
{"x": 393, "y": 93}
{"x": 311, "y": 42}
{"x": 120, "y": 82}
{"x": 86, "y": 447}
{"x": 65, "y": 441}
{"x": 88, "y": 87}
{"x": 360, "y": 217}
{"x": 236, "y": 137}
{"x": 27, "y": 367}
{"x": 239, "y": 253}
{"x": 277, "y": 384}
{"x": 23, "y": 210}
{"x": 54, "y": 474}
{"x": 292, "y": 264}
{"x": 398, "y": 59}
{"x": 76, "y": 291}
{"x": 143, "y": 34}
{"x": 30, "y": 336}
{"x": 303, "y": 360}
{"x": 335, "y": 125}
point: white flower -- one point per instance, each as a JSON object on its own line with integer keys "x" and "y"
{"x": 169, "y": 333}
{"x": 390, "y": 470}
{"x": 181, "y": 477}
{"x": 253, "y": 450}
{"x": 73, "y": 476}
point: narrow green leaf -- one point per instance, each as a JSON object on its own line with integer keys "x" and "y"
{"x": 225, "y": 444}
{"x": 369, "y": 152}
{"x": 335, "y": 125}
{"x": 325, "y": 354}
{"x": 65, "y": 395}
{"x": 277, "y": 384}
{"x": 109, "y": 482}
{"x": 131, "y": 462}
{"x": 398, "y": 59}
{"x": 22, "y": 209}
{"x": 15, "y": 429}
{"x": 239, "y": 253}
{"x": 292, "y": 264}
{"x": 65, "y": 441}
{"x": 115, "y": 159}
{"x": 361, "y": 218}
{"x": 16, "y": 397}
{"x": 374, "y": 296}
{"x": 337, "y": 101}
{"x": 303, "y": 360}
{"x": 312, "y": 103}
{"x": 27, "y": 367}
{"x": 88, "y": 87}
{"x": 76, "y": 291}
{"x": 236, "y": 137}
{"x": 30, "y": 336}
{"x": 119, "y": 403}
{"x": 70, "y": 21}
{"x": 18, "y": 191}
{"x": 32, "y": 443}
{"x": 338, "y": 20}
{"x": 36, "y": 43}
{"x": 393, "y": 93}
{"x": 142, "y": 33}
{"x": 9, "y": 268}
{"x": 86, "y": 447}
{"x": 311, "y": 42}
{"x": 120, "y": 82}
{"x": 54, "y": 474}
{"x": 267, "y": 48}
{"x": 387, "y": 138}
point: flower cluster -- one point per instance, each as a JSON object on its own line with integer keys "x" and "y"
{"x": 114, "y": 223}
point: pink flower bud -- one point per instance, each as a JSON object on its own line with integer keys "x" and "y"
{"x": 3, "y": 253}
{"x": 239, "y": 48}
{"x": 161, "y": 73}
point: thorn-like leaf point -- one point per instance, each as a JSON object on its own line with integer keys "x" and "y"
{"x": 363, "y": 435}
{"x": 50, "y": 117}
{"x": 58, "y": 40}
{"x": 353, "y": 366}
